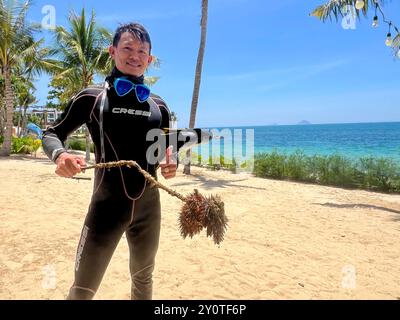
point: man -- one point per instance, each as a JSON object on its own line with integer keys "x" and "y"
{"x": 118, "y": 117}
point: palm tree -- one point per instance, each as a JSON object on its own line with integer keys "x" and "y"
{"x": 61, "y": 91}
{"x": 19, "y": 53}
{"x": 2, "y": 107}
{"x": 25, "y": 98}
{"x": 334, "y": 9}
{"x": 197, "y": 79}
{"x": 83, "y": 53}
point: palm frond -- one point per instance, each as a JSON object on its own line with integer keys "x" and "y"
{"x": 150, "y": 81}
{"x": 396, "y": 41}
{"x": 156, "y": 62}
{"x": 82, "y": 47}
{"x": 334, "y": 9}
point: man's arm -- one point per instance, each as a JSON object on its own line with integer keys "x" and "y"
{"x": 74, "y": 116}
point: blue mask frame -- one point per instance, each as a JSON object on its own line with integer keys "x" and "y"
{"x": 123, "y": 86}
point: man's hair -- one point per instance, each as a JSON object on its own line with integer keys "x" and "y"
{"x": 135, "y": 29}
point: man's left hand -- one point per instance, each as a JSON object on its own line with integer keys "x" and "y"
{"x": 168, "y": 169}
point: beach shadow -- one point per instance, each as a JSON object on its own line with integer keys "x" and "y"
{"x": 357, "y": 205}
{"x": 220, "y": 183}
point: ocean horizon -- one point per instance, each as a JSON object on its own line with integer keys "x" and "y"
{"x": 353, "y": 140}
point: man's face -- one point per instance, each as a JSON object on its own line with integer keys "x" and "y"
{"x": 131, "y": 56}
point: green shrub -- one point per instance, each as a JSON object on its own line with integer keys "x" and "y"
{"x": 379, "y": 174}
{"x": 78, "y": 144}
{"x": 296, "y": 166}
{"x": 25, "y": 145}
{"x": 332, "y": 170}
{"x": 270, "y": 165}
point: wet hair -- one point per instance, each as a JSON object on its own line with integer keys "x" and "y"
{"x": 135, "y": 29}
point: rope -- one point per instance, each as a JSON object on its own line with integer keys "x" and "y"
{"x": 148, "y": 176}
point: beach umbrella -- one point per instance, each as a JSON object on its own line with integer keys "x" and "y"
{"x": 34, "y": 128}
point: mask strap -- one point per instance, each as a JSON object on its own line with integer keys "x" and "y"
{"x": 102, "y": 103}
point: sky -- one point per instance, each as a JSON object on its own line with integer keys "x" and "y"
{"x": 266, "y": 62}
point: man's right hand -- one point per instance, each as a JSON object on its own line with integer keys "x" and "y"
{"x": 69, "y": 165}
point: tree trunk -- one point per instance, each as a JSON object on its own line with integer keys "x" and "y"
{"x": 23, "y": 129}
{"x": 2, "y": 119}
{"x": 19, "y": 124}
{"x": 197, "y": 79}
{"x": 6, "y": 148}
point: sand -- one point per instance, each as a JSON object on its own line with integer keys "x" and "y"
{"x": 285, "y": 240}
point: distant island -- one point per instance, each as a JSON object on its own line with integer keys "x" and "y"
{"x": 304, "y": 122}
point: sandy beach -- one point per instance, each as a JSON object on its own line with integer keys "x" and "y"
{"x": 285, "y": 240}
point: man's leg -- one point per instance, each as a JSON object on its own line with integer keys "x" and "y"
{"x": 104, "y": 225}
{"x": 143, "y": 237}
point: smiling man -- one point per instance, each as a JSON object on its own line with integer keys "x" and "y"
{"x": 130, "y": 53}
{"x": 118, "y": 116}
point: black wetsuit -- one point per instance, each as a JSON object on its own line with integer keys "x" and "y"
{"x": 121, "y": 200}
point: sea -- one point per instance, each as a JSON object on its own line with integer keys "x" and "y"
{"x": 353, "y": 140}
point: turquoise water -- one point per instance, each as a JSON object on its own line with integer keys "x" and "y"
{"x": 352, "y": 140}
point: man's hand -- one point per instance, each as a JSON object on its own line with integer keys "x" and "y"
{"x": 69, "y": 165}
{"x": 168, "y": 169}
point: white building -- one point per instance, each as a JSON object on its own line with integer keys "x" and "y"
{"x": 49, "y": 115}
